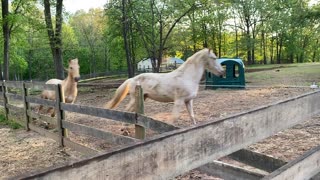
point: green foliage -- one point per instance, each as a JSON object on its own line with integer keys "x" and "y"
{"x": 285, "y": 31}
{"x": 10, "y": 123}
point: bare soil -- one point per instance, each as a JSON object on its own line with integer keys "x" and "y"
{"x": 22, "y": 151}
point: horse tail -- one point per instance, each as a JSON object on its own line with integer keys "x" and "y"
{"x": 120, "y": 94}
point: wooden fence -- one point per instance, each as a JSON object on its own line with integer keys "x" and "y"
{"x": 170, "y": 154}
{"x": 14, "y": 92}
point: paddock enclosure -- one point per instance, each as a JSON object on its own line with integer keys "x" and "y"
{"x": 231, "y": 139}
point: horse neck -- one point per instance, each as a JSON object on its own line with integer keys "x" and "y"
{"x": 69, "y": 83}
{"x": 192, "y": 69}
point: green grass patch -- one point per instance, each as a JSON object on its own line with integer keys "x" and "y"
{"x": 34, "y": 91}
{"x": 266, "y": 66}
{"x": 10, "y": 123}
{"x": 298, "y": 75}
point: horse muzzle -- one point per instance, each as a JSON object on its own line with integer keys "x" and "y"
{"x": 222, "y": 73}
{"x": 76, "y": 79}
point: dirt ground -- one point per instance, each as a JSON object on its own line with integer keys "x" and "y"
{"x": 22, "y": 151}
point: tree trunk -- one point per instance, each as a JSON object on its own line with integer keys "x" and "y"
{"x": 315, "y": 51}
{"x": 214, "y": 44}
{"x": 304, "y": 45}
{"x": 205, "y": 41}
{"x": 291, "y": 57}
{"x": 94, "y": 64}
{"x": 162, "y": 43}
{"x": 194, "y": 40}
{"x": 133, "y": 47}
{"x": 106, "y": 60}
{"x": 236, "y": 41}
{"x": 248, "y": 46}
{"x": 271, "y": 50}
{"x": 264, "y": 48}
{"x": 252, "y": 46}
{"x": 55, "y": 36}
{"x": 6, "y": 39}
{"x": 220, "y": 39}
{"x": 125, "y": 30}
{"x": 279, "y": 49}
{"x": 30, "y": 64}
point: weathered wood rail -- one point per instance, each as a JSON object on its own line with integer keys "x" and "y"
{"x": 173, "y": 153}
{"x": 13, "y": 91}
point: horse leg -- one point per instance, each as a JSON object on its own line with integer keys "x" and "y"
{"x": 177, "y": 109}
{"x": 189, "y": 105}
{"x": 40, "y": 109}
{"x": 51, "y": 111}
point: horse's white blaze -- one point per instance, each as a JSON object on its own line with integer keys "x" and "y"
{"x": 179, "y": 86}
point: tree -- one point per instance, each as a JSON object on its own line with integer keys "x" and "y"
{"x": 88, "y": 28}
{"x": 55, "y": 35}
{"x": 127, "y": 29}
{"x": 6, "y": 38}
{"x": 155, "y": 24}
{"x": 7, "y": 27}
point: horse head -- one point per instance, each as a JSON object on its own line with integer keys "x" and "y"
{"x": 213, "y": 65}
{"x": 73, "y": 69}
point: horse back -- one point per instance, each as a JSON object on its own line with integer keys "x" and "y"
{"x": 54, "y": 81}
{"x": 49, "y": 94}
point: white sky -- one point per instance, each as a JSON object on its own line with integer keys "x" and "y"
{"x": 312, "y": 2}
{"x": 74, "y": 5}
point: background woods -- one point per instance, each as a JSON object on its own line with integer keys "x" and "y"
{"x": 40, "y": 35}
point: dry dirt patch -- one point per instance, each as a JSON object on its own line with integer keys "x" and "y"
{"x": 22, "y": 151}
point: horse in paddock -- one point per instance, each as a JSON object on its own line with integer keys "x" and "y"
{"x": 69, "y": 86}
{"x": 179, "y": 86}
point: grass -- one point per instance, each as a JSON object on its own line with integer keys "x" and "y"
{"x": 10, "y": 123}
{"x": 263, "y": 66}
{"x": 297, "y": 75}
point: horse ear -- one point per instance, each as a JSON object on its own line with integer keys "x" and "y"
{"x": 209, "y": 50}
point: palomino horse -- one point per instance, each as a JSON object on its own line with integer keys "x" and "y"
{"x": 179, "y": 86}
{"x": 69, "y": 86}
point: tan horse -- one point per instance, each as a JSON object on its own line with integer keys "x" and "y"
{"x": 179, "y": 86}
{"x": 69, "y": 86}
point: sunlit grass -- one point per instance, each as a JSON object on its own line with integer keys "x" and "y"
{"x": 298, "y": 75}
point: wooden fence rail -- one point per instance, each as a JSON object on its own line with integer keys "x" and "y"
{"x": 13, "y": 91}
{"x": 168, "y": 155}
{"x": 102, "y": 134}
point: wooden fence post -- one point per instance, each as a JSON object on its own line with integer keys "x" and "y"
{"x": 26, "y": 105}
{"x": 59, "y": 113}
{"x": 5, "y": 100}
{"x": 140, "y": 131}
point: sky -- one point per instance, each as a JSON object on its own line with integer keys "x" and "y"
{"x": 74, "y": 5}
{"x": 312, "y": 2}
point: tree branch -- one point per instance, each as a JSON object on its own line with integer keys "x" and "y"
{"x": 176, "y": 21}
{"x": 16, "y": 10}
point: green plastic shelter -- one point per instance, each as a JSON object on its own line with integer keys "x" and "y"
{"x": 233, "y": 78}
